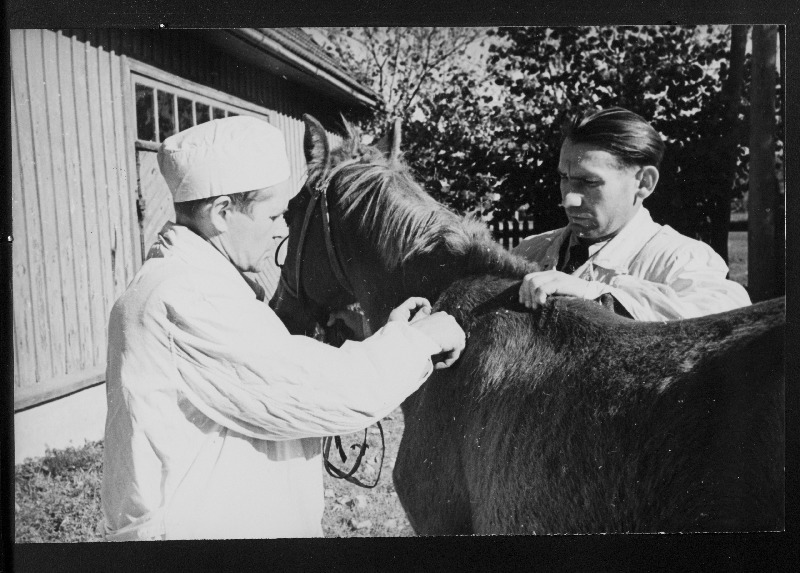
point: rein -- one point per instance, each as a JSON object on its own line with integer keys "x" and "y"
{"x": 335, "y": 472}
{"x": 319, "y": 196}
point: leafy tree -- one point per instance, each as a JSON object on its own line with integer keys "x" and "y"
{"x": 402, "y": 64}
{"x": 670, "y": 75}
{"x": 489, "y": 142}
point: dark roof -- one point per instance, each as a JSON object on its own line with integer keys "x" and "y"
{"x": 302, "y": 45}
{"x": 297, "y": 37}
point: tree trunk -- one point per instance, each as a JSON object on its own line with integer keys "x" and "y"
{"x": 762, "y": 201}
{"x": 731, "y": 96}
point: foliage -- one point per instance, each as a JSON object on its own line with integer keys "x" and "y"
{"x": 510, "y": 137}
{"x": 399, "y": 63}
{"x": 487, "y": 141}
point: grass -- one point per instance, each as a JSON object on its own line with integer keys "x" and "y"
{"x": 352, "y": 511}
{"x": 737, "y": 255}
{"x": 58, "y": 496}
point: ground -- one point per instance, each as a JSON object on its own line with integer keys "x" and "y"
{"x": 58, "y": 496}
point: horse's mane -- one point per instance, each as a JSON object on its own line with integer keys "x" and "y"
{"x": 390, "y": 209}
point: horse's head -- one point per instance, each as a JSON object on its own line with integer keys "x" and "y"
{"x": 322, "y": 258}
{"x": 362, "y": 229}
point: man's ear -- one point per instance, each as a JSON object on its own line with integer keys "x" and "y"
{"x": 218, "y": 214}
{"x": 648, "y": 178}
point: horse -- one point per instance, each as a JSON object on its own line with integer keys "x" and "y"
{"x": 563, "y": 419}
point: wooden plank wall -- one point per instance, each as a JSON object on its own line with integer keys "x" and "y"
{"x": 188, "y": 55}
{"x": 75, "y": 238}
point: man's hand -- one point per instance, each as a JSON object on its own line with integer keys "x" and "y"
{"x": 536, "y": 287}
{"x": 404, "y": 312}
{"x": 439, "y": 327}
{"x": 352, "y": 319}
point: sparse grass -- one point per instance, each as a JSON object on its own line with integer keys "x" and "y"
{"x": 58, "y": 496}
{"x": 352, "y": 511}
{"x": 737, "y": 255}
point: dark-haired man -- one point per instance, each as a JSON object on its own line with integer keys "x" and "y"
{"x": 215, "y": 411}
{"x": 608, "y": 166}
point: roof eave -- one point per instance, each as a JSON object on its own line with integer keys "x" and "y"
{"x": 298, "y": 64}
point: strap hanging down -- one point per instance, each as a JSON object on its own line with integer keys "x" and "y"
{"x": 335, "y": 472}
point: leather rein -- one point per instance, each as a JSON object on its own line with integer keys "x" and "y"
{"x": 319, "y": 197}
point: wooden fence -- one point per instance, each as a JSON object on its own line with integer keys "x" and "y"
{"x": 510, "y": 233}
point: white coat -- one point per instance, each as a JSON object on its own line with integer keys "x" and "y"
{"x": 652, "y": 270}
{"x": 215, "y": 411}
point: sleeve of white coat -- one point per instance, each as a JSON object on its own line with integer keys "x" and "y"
{"x": 691, "y": 282}
{"x": 238, "y": 365}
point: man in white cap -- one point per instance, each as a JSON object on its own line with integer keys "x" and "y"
{"x": 608, "y": 167}
{"x": 215, "y": 411}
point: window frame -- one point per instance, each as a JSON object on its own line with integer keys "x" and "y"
{"x": 166, "y": 82}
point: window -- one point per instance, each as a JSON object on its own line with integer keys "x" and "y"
{"x": 145, "y": 120}
{"x": 203, "y": 112}
{"x": 163, "y": 109}
{"x": 166, "y": 115}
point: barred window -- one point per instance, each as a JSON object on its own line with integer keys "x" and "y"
{"x": 163, "y": 110}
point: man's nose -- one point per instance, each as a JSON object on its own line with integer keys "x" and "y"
{"x": 571, "y": 200}
{"x": 280, "y": 229}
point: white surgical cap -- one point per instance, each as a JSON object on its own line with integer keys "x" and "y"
{"x": 222, "y": 157}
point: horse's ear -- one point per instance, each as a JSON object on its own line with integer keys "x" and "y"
{"x": 317, "y": 150}
{"x": 389, "y": 144}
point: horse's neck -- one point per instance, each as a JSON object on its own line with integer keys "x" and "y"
{"x": 431, "y": 274}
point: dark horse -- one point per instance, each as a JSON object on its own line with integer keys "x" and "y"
{"x": 565, "y": 419}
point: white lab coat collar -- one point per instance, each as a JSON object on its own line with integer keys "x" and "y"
{"x": 189, "y": 247}
{"x": 618, "y": 253}
{"x": 615, "y": 255}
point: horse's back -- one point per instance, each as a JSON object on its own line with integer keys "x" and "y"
{"x": 571, "y": 419}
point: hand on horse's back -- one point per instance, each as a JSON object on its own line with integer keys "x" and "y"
{"x": 440, "y": 327}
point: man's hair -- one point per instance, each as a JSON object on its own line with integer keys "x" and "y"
{"x": 242, "y": 202}
{"x": 622, "y": 133}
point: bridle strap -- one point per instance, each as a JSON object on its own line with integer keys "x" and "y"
{"x": 319, "y": 194}
{"x": 335, "y": 472}
{"x": 278, "y": 252}
{"x": 333, "y": 255}
{"x": 299, "y": 294}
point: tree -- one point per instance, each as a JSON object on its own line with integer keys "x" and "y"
{"x": 401, "y": 64}
{"x": 489, "y": 142}
{"x": 671, "y": 75}
{"x": 724, "y": 188}
{"x": 765, "y": 253}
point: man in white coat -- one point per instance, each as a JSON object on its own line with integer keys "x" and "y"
{"x": 608, "y": 166}
{"x": 215, "y": 411}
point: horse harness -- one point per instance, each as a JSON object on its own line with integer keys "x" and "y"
{"x": 319, "y": 197}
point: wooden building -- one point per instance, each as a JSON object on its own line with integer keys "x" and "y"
{"x": 89, "y": 109}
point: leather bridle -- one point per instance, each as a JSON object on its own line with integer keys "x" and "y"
{"x": 319, "y": 196}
